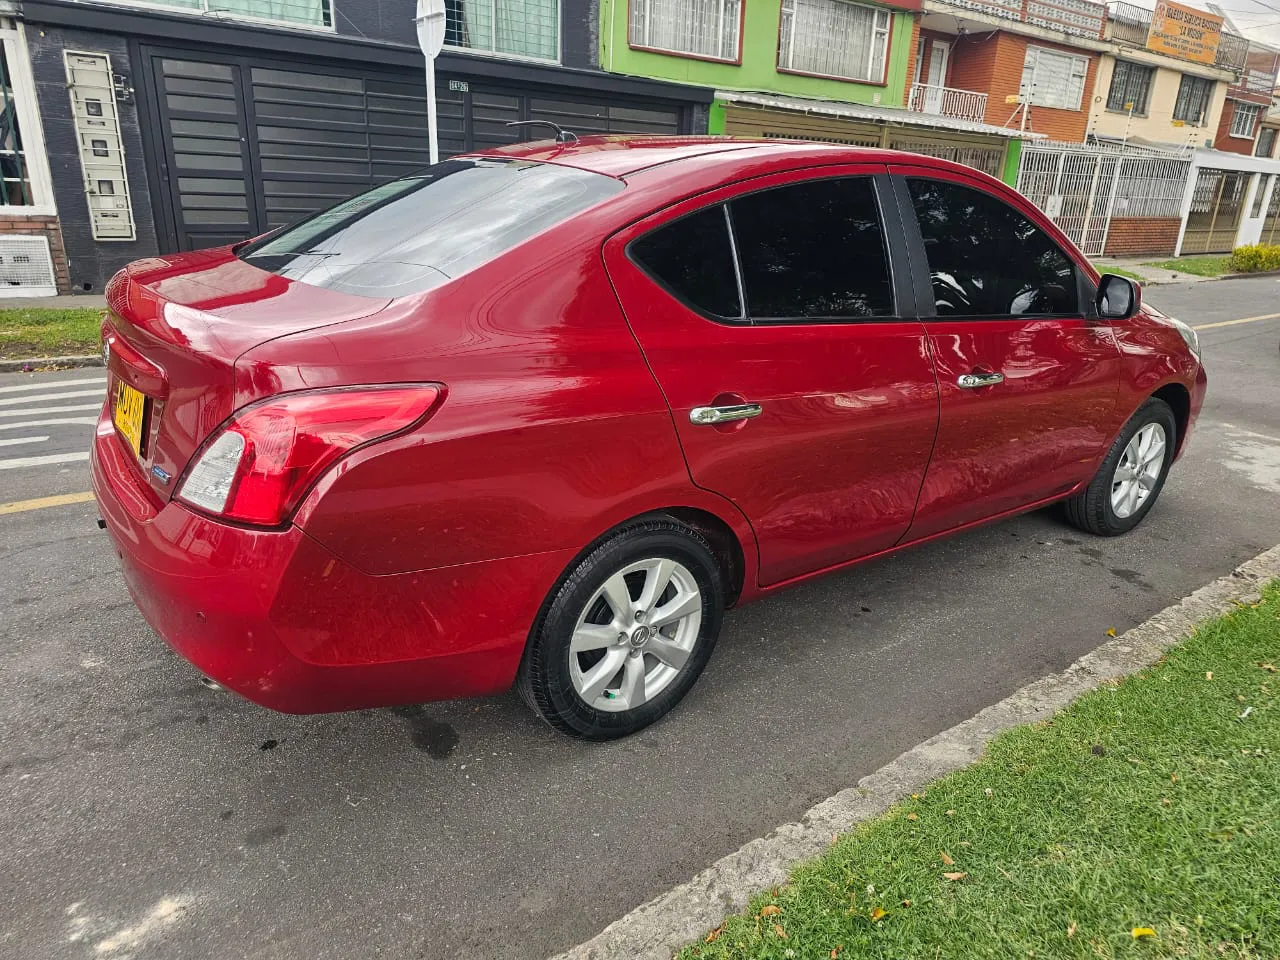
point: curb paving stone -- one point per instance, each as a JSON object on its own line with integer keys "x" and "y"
{"x": 685, "y": 913}
{"x": 45, "y": 363}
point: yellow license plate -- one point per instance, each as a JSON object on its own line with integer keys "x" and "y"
{"x": 130, "y": 407}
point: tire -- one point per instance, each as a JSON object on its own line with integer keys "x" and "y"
{"x": 564, "y": 680}
{"x": 1095, "y": 510}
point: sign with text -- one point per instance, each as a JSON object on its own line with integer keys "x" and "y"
{"x": 1184, "y": 32}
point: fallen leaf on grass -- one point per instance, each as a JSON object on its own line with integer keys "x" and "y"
{"x": 878, "y": 914}
{"x": 711, "y": 937}
{"x": 836, "y": 952}
{"x": 770, "y": 910}
{"x": 1071, "y": 929}
{"x": 1111, "y": 631}
{"x": 912, "y": 816}
{"x": 1208, "y": 675}
{"x": 958, "y": 875}
{"x": 777, "y": 928}
{"x": 906, "y": 903}
{"x": 1140, "y": 932}
{"x": 1269, "y": 667}
{"x": 946, "y": 858}
{"x": 951, "y": 813}
{"x": 1247, "y": 711}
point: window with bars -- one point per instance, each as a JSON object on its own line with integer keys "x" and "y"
{"x": 1130, "y": 87}
{"x": 699, "y": 28}
{"x": 1245, "y": 119}
{"x": 517, "y": 28}
{"x": 834, "y": 38}
{"x": 24, "y": 170}
{"x": 1192, "y": 104}
{"x": 1053, "y": 79}
{"x": 309, "y": 13}
{"x": 1266, "y": 142}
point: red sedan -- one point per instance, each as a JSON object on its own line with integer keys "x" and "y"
{"x": 540, "y": 415}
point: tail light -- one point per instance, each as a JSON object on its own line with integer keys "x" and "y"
{"x": 259, "y": 465}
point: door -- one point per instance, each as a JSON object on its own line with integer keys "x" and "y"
{"x": 1216, "y": 206}
{"x": 940, "y": 53}
{"x": 778, "y": 319}
{"x": 1027, "y": 384}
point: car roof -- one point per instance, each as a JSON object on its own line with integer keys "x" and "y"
{"x": 620, "y": 156}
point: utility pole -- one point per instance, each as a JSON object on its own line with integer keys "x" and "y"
{"x": 430, "y": 23}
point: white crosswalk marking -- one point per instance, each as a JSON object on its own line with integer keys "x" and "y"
{"x": 56, "y": 421}
{"x": 41, "y": 411}
{"x": 55, "y": 385}
{"x": 11, "y": 401}
{"x": 16, "y": 462}
{"x": 14, "y": 441}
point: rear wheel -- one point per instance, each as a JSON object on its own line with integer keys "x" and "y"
{"x": 627, "y": 632}
{"x": 1131, "y": 477}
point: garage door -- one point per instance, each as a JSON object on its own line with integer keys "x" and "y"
{"x": 1216, "y": 206}
{"x": 245, "y": 146}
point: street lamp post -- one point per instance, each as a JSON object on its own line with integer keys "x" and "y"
{"x": 430, "y": 22}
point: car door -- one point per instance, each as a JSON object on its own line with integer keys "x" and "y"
{"x": 777, "y": 317}
{"x": 1028, "y": 382}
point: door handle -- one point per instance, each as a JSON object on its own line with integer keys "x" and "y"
{"x": 725, "y": 414}
{"x": 971, "y": 381}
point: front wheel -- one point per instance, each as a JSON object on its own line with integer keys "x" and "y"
{"x": 627, "y": 633}
{"x": 1131, "y": 477}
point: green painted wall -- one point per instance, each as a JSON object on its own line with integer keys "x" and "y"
{"x": 759, "y": 61}
{"x": 1012, "y": 158}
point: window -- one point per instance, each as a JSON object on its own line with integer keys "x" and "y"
{"x": 834, "y": 38}
{"x": 411, "y": 235}
{"x": 1192, "y": 104}
{"x": 1130, "y": 84}
{"x": 518, "y": 28}
{"x": 309, "y": 13}
{"x": 1264, "y": 180}
{"x": 1244, "y": 119}
{"x": 813, "y": 250}
{"x": 1266, "y": 142}
{"x": 1053, "y": 79}
{"x": 988, "y": 260}
{"x": 700, "y": 28}
{"x": 692, "y": 257}
{"x": 24, "y": 168}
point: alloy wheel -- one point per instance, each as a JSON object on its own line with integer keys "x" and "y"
{"x": 1138, "y": 471}
{"x": 635, "y": 634}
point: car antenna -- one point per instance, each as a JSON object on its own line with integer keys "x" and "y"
{"x": 562, "y": 135}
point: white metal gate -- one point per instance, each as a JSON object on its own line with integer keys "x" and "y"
{"x": 1081, "y": 187}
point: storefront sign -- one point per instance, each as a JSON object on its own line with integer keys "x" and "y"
{"x": 1184, "y": 32}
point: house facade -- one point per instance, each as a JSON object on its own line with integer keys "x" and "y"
{"x": 169, "y": 125}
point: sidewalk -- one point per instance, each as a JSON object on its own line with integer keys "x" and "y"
{"x": 67, "y": 301}
{"x": 1150, "y": 275}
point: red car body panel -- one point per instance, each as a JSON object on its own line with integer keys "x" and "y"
{"x": 415, "y": 568}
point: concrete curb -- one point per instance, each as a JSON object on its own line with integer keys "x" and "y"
{"x": 683, "y": 914}
{"x": 42, "y": 363}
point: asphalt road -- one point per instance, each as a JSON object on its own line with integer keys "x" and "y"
{"x": 148, "y": 817}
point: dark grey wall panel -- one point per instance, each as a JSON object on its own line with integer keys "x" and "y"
{"x": 91, "y": 262}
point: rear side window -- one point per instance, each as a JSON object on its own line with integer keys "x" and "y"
{"x": 692, "y": 257}
{"x": 410, "y": 235}
{"x": 986, "y": 259}
{"x": 813, "y": 250}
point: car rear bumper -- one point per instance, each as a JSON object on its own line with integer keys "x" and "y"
{"x": 276, "y": 617}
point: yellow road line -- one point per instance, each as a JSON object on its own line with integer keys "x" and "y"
{"x": 1232, "y": 323}
{"x": 21, "y": 506}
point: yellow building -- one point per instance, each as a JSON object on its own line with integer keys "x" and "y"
{"x": 1149, "y": 98}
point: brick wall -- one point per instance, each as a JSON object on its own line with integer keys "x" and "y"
{"x": 1224, "y": 140}
{"x": 42, "y": 227}
{"x": 993, "y": 62}
{"x": 1142, "y": 237}
{"x": 911, "y": 59}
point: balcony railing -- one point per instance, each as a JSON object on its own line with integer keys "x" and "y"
{"x": 1084, "y": 18}
{"x": 1131, "y": 24}
{"x": 948, "y": 102}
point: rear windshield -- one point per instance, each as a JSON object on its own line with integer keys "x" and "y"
{"x": 410, "y": 235}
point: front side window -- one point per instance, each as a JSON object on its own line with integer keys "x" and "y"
{"x": 411, "y": 235}
{"x": 834, "y": 38}
{"x": 519, "y": 28}
{"x": 700, "y": 28}
{"x": 813, "y": 250}
{"x": 1053, "y": 79}
{"x": 1244, "y": 119}
{"x": 1192, "y": 104}
{"x": 1130, "y": 87}
{"x": 693, "y": 258}
{"x": 986, "y": 259}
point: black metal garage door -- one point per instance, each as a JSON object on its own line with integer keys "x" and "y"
{"x": 242, "y": 146}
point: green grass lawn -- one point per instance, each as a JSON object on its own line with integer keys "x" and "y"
{"x": 1118, "y": 271}
{"x": 1143, "y": 821}
{"x": 48, "y": 332}
{"x": 1200, "y": 266}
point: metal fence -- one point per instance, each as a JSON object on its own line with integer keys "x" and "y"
{"x": 1082, "y": 187}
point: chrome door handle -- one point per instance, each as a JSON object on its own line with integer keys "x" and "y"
{"x": 971, "y": 381}
{"x": 727, "y": 414}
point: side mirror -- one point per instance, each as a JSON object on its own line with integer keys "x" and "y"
{"x": 1118, "y": 297}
